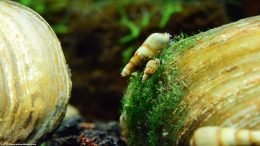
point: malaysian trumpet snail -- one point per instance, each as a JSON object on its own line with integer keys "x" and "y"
{"x": 206, "y": 92}
{"x": 148, "y": 50}
{"x": 150, "y": 68}
{"x": 35, "y": 81}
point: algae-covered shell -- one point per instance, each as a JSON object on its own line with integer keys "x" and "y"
{"x": 35, "y": 83}
{"x": 210, "y": 79}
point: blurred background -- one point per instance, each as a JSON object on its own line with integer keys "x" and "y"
{"x": 98, "y": 38}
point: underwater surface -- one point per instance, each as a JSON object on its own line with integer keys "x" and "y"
{"x": 98, "y": 38}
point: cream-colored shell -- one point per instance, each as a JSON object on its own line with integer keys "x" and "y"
{"x": 151, "y": 46}
{"x": 216, "y": 136}
{"x": 218, "y": 72}
{"x": 35, "y": 82}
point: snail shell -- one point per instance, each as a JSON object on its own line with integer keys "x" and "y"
{"x": 35, "y": 82}
{"x": 214, "y": 136}
{"x": 211, "y": 79}
{"x": 151, "y": 47}
{"x": 150, "y": 68}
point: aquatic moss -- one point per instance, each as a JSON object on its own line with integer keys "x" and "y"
{"x": 138, "y": 99}
{"x": 149, "y": 104}
{"x": 171, "y": 90}
{"x": 157, "y": 116}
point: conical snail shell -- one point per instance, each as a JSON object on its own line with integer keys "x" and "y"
{"x": 211, "y": 79}
{"x": 35, "y": 82}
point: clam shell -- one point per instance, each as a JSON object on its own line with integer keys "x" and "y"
{"x": 211, "y": 79}
{"x": 35, "y": 81}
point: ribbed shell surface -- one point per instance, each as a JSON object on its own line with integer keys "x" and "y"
{"x": 35, "y": 82}
{"x": 223, "y": 78}
{"x": 210, "y": 79}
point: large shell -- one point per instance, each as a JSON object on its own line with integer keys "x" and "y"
{"x": 211, "y": 79}
{"x": 35, "y": 82}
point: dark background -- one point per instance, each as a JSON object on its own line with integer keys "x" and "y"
{"x": 98, "y": 37}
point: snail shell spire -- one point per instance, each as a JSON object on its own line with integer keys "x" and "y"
{"x": 150, "y": 68}
{"x": 151, "y": 46}
{"x": 216, "y": 136}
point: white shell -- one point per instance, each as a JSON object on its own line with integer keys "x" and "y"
{"x": 217, "y": 136}
{"x": 150, "y": 68}
{"x": 35, "y": 82}
{"x": 151, "y": 46}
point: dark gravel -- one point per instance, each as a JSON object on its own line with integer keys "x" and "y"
{"x": 75, "y": 131}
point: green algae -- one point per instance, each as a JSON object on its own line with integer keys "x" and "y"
{"x": 149, "y": 105}
{"x": 154, "y": 112}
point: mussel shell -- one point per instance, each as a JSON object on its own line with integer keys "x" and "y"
{"x": 35, "y": 81}
{"x": 210, "y": 79}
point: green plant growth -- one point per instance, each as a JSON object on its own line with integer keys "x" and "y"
{"x": 45, "y": 6}
{"x": 152, "y": 110}
{"x": 47, "y": 9}
{"x": 147, "y": 105}
{"x": 37, "y": 5}
{"x": 170, "y": 105}
{"x": 134, "y": 30}
{"x": 136, "y": 27}
{"x": 168, "y": 12}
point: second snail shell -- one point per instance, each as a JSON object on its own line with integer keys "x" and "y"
{"x": 210, "y": 79}
{"x": 35, "y": 81}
